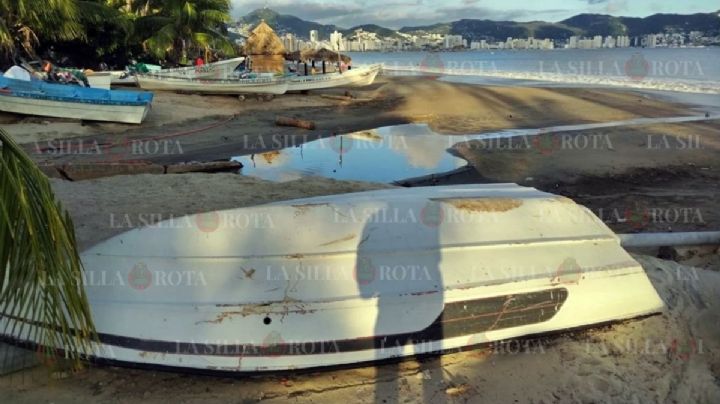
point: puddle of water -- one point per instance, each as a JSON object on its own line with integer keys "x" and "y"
{"x": 395, "y": 153}
{"x": 379, "y": 155}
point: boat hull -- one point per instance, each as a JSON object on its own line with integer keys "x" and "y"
{"x": 216, "y": 70}
{"x": 101, "y": 80}
{"x": 344, "y": 280}
{"x": 122, "y": 78}
{"x": 134, "y": 114}
{"x": 352, "y": 78}
{"x": 207, "y": 86}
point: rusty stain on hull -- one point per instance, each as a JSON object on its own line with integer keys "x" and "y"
{"x": 340, "y": 240}
{"x": 282, "y": 308}
{"x": 483, "y": 205}
{"x": 303, "y": 209}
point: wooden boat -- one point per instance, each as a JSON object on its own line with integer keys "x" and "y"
{"x": 260, "y": 85}
{"x": 357, "y": 278}
{"x": 217, "y": 70}
{"x": 123, "y": 78}
{"x": 359, "y": 77}
{"x": 68, "y": 101}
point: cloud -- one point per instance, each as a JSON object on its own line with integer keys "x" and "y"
{"x": 392, "y": 14}
{"x": 398, "y": 13}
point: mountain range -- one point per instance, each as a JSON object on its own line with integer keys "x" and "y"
{"x": 476, "y": 29}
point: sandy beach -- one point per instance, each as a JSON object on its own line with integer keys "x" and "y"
{"x": 655, "y": 177}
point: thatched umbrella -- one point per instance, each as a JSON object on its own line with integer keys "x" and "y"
{"x": 317, "y": 55}
{"x": 264, "y": 41}
{"x": 265, "y": 49}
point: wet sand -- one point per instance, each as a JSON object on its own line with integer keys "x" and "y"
{"x": 639, "y": 179}
{"x": 215, "y": 127}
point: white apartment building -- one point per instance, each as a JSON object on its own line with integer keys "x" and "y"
{"x": 336, "y": 41}
{"x": 314, "y": 36}
{"x": 453, "y": 41}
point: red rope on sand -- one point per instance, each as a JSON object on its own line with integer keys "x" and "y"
{"x": 182, "y": 133}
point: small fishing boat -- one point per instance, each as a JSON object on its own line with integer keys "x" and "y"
{"x": 217, "y": 70}
{"x": 40, "y": 98}
{"x": 123, "y": 78}
{"x": 359, "y": 77}
{"x": 349, "y": 279}
{"x": 258, "y": 85}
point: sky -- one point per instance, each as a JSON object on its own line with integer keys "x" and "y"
{"x": 398, "y": 13}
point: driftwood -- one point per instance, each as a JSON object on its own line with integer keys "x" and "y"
{"x": 203, "y": 167}
{"x": 89, "y": 171}
{"x": 295, "y": 122}
{"x": 345, "y": 98}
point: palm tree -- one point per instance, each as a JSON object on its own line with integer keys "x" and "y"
{"x": 23, "y": 21}
{"x": 42, "y": 298}
{"x": 183, "y": 25}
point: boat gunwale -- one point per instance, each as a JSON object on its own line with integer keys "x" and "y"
{"x": 199, "y": 80}
{"x": 78, "y": 100}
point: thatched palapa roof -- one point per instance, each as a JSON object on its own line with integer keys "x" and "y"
{"x": 264, "y": 41}
{"x": 317, "y": 55}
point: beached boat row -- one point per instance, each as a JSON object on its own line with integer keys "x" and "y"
{"x": 29, "y": 96}
{"x": 170, "y": 81}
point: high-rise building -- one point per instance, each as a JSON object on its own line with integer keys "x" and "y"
{"x": 651, "y": 41}
{"x": 336, "y": 41}
{"x": 597, "y": 41}
{"x": 290, "y": 42}
{"x": 573, "y": 42}
{"x": 609, "y": 42}
{"x": 453, "y": 41}
{"x": 314, "y": 36}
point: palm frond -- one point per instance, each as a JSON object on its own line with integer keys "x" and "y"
{"x": 42, "y": 296}
{"x": 214, "y": 17}
{"x": 6, "y": 38}
{"x": 162, "y": 42}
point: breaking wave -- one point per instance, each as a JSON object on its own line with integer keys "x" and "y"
{"x": 647, "y": 83}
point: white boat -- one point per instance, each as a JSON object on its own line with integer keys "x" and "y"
{"x": 358, "y": 77}
{"x": 123, "y": 78}
{"x": 217, "y": 70}
{"x": 349, "y": 279}
{"x": 101, "y": 80}
{"x": 260, "y": 85}
{"x": 75, "y": 102}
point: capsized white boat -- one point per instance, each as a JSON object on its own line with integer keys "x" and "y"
{"x": 260, "y": 85}
{"x": 356, "y": 278}
{"x": 358, "y": 77}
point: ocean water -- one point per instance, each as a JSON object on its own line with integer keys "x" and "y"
{"x": 690, "y": 70}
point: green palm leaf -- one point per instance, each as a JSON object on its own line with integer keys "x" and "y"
{"x": 42, "y": 296}
{"x": 194, "y": 26}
